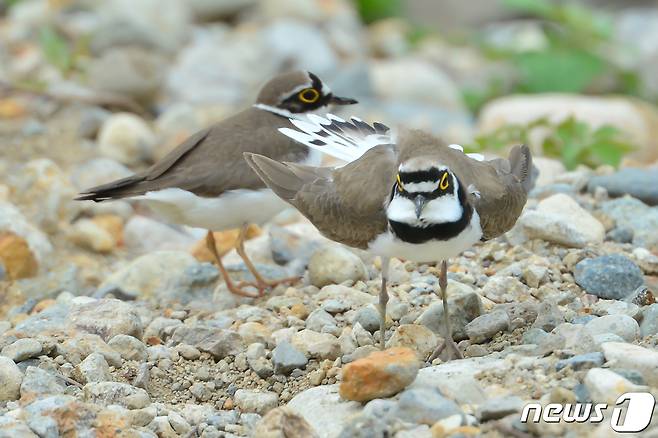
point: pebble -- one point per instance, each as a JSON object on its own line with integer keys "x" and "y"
{"x": 425, "y": 406}
{"x": 39, "y": 382}
{"x": 316, "y": 345}
{"x": 89, "y": 234}
{"x": 485, "y": 327}
{"x": 462, "y": 308}
{"x": 549, "y": 316}
{"x": 610, "y": 276}
{"x": 646, "y": 260}
{"x": 256, "y": 401}
{"x": 22, "y": 349}
{"x": 318, "y": 319}
{"x": 283, "y": 422}
{"x": 94, "y": 368}
{"x": 368, "y": 317}
{"x": 634, "y": 357}
{"x": 559, "y": 219}
{"x": 633, "y": 214}
{"x": 498, "y": 407}
{"x": 334, "y": 265}
{"x": 126, "y": 138}
{"x": 128, "y": 347}
{"x": 621, "y": 325}
{"x": 381, "y": 374}
{"x": 416, "y": 337}
{"x": 581, "y": 361}
{"x": 649, "y": 324}
{"x": 615, "y": 307}
{"x": 116, "y": 393}
{"x": 11, "y": 378}
{"x": 286, "y": 358}
{"x": 188, "y": 352}
{"x": 502, "y": 289}
{"x": 641, "y": 184}
{"x": 604, "y": 385}
{"x": 107, "y": 318}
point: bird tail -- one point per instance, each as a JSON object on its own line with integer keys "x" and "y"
{"x": 122, "y": 188}
{"x": 521, "y": 166}
{"x": 284, "y": 179}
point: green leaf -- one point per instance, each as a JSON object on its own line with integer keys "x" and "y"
{"x": 373, "y": 10}
{"x": 558, "y": 70}
{"x": 541, "y": 8}
{"x": 56, "y": 49}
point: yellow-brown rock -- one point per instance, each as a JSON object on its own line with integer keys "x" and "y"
{"x": 225, "y": 241}
{"x": 113, "y": 224}
{"x": 380, "y": 374}
{"x": 17, "y": 257}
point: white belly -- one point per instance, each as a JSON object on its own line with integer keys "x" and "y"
{"x": 230, "y": 210}
{"x": 388, "y": 245}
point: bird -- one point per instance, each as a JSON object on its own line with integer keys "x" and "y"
{"x": 409, "y": 196}
{"x": 205, "y": 182}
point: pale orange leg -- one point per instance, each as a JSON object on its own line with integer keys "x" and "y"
{"x": 448, "y": 343}
{"x": 210, "y": 243}
{"x": 261, "y": 283}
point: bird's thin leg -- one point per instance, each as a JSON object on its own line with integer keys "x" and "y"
{"x": 383, "y": 300}
{"x": 210, "y": 243}
{"x": 261, "y": 283}
{"x": 448, "y": 342}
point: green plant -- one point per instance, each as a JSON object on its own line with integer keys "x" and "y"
{"x": 573, "y": 142}
{"x": 56, "y": 49}
{"x": 373, "y": 10}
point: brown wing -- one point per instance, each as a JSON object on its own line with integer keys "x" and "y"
{"x": 346, "y": 204}
{"x": 211, "y": 162}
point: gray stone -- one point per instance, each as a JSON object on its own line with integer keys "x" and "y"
{"x": 581, "y": 361}
{"x": 94, "y": 368}
{"x": 499, "y": 407}
{"x": 368, "y": 317}
{"x": 22, "y": 349}
{"x": 216, "y": 341}
{"x": 620, "y": 235}
{"x": 425, "y": 406}
{"x": 286, "y": 358}
{"x": 316, "y": 345}
{"x": 334, "y": 265}
{"x": 38, "y": 382}
{"x": 107, "y": 318}
{"x": 129, "y": 347}
{"x": 11, "y": 378}
{"x": 634, "y": 214}
{"x": 639, "y": 183}
{"x": 649, "y": 325}
{"x": 549, "y": 316}
{"x": 323, "y": 408}
{"x": 605, "y": 386}
{"x": 610, "y": 276}
{"x": 485, "y": 327}
{"x": 81, "y": 346}
{"x": 634, "y": 357}
{"x": 503, "y": 289}
{"x": 551, "y": 342}
{"x": 12, "y": 428}
{"x": 616, "y": 307}
{"x": 254, "y": 401}
{"x": 115, "y": 393}
{"x": 318, "y": 319}
{"x": 462, "y": 308}
{"x": 621, "y": 325}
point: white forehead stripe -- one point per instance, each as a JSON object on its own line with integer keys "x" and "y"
{"x": 418, "y": 166}
{"x": 420, "y": 187}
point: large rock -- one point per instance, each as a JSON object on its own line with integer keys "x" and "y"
{"x": 334, "y": 265}
{"x": 381, "y": 374}
{"x": 639, "y": 183}
{"x": 610, "y": 276}
{"x": 638, "y": 120}
{"x": 559, "y": 219}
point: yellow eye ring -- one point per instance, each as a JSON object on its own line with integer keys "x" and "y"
{"x": 309, "y": 95}
{"x": 400, "y": 185}
{"x": 444, "y": 182}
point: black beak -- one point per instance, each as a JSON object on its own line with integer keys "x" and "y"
{"x": 342, "y": 100}
{"x": 419, "y": 202}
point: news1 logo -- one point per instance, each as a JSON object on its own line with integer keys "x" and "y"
{"x": 638, "y": 412}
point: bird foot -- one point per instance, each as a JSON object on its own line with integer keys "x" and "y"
{"x": 449, "y": 348}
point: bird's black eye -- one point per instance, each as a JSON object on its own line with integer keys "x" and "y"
{"x": 309, "y": 95}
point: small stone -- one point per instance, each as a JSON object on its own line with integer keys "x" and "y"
{"x": 188, "y": 352}
{"x": 38, "y": 382}
{"x": 89, "y": 234}
{"x": 534, "y": 275}
{"x": 283, "y": 422}
{"x": 362, "y": 336}
{"x": 646, "y": 260}
{"x": 639, "y": 183}
{"x": 11, "y": 378}
{"x": 499, "y": 407}
{"x": 368, "y": 317}
{"x": 559, "y": 219}
{"x": 128, "y": 347}
{"x": 581, "y": 361}
{"x": 486, "y": 326}
{"x": 286, "y": 358}
{"x": 178, "y": 423}
{"x": 107, "y": 318}
{"x": 605, "y": 386}
{"x": 621, "y": 325}
{"x": 634, "y": 357}
{"x": 161, "y": 427}
{"x": 334, "y": 265}
{"x": 381, "y": 374}
{"x": 615, "y": 307}
{"x": 549, "y": 316}
{"x": 16, "y": 257}
{"x": 316, "y": 345}
{"x": 22, "y": 349}
{"x": 126, "y": 138}
{"x": 318, "y": 319}
{"x": 416, "y": 337}
{"x": 94, "y": 369}
{"x": 200, "y": 392}
{"x": 463, "y": 307}
{"x": 425, "y": 406}
{"x": 610, "y": 276}
{"x": 502, "y": 289}
{"x": 115, "y": 393}
{"x": 254, "y": 401}
{"x": 620, "y": 235}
